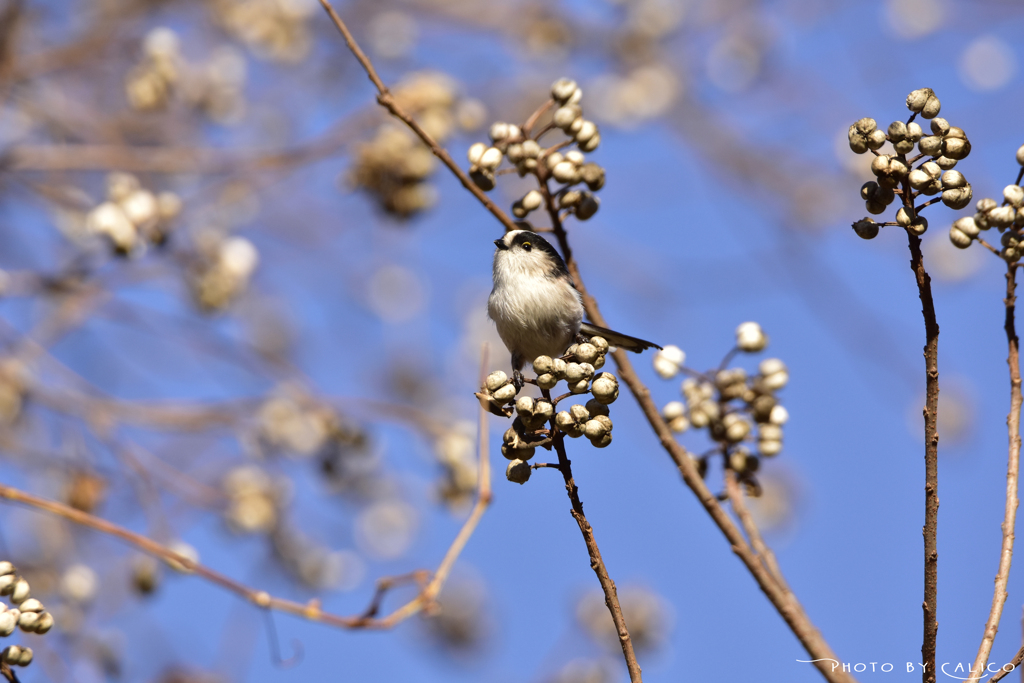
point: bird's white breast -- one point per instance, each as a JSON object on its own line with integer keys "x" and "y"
{"x": 536, "y": 313}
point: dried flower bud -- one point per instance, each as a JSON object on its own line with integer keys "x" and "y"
{"x": 8, "y": 622}
{"x": 593, "y": 176}
{"x": 866, "y": 229}
{"x": 587, "y": 353}
{"x": 959, "y": 239}
{"x": 918, "y": 98}
{"x": 926, "y": 178}
{"x": 518, "y": 471}
{"x": 558, "y": 367}
{"x": 750, "y": 337}
{"x": 564, "y": 172}
{"x": 967, "y": 226}
{"x": 919, "y": 225}
{"x": 779, "y": 415}
{"x": 505, "y": 394}
{"x": 939, "y": 126}
{"x": 482, "y": 178}
{"x": 594, "y": 429}
{"x": 565, "y": 116}
{"x": 741, "y": 461}
{"x": 774, "y": 374}
{"x": 605, "y": 388}
{"x": 588, "y": 129}
{"x": 957, "y": 198}
{"x": 889, "y": 170}
{"x": 547, "y": 381}
{"x": 44, "y": 623}
{"x": 1014, "y": 195}
{"x": 924, "y": 102}
{"x": 864, "y": 135}
{"x": 668, "y": 361}
{"x": 532, "y": 200}
{"x": 20, "y": 591}
{"x": 587, "y": 207}
{"x": 589, "y": 146}
{"x": 563, "y": 90}
{"x": 476, "y": 150}
{"x": 31, "y": 605}
{"x": 930, "y": 145}
{"x": 6, "y": 568}
{"x": 490, "y": 159}
{"x": 495, "y": 380}
{"x": 1002, "y": 216}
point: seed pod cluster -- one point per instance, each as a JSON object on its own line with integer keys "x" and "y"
{"x": 132, "y": 216}
{"x": 740, "y": 411}
{"x": 1007, "y": 217}
{"x": 26, "y": 613}
{"x": 578, "y": 179}
{"x": 895, "y": 174}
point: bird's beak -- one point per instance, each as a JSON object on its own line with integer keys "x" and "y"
{"x": 500, "y": 244}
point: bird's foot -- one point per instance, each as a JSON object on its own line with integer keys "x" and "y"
{"x": 518, "y": 380}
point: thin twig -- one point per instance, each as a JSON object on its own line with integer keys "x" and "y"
{"x": 611, "y": 596}
{"x": 387, "y": 100}
{"x": 931, "y": 451}
{"x": 761, "y": 549}
{"x": 1012, "y": 476}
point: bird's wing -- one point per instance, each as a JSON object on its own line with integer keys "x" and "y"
{"x": 615, "y": 339}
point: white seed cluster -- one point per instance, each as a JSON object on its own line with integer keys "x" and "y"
{"x": 1007, "y": 217}
{"x": 456, "y": 454}
{"x": 945, "y": 146}
{"x": 570, "y": 169}
{"x": 737, "y": 409}
{"x": 214, "y": 87}
{"x": 395, "y": 166}
{"x": 277, "y": 30}
{"x": 223, "y": 270}
{"x": 253, "y": 500}
{"x": 537, "y": 421}
{"x": 133, "y": 216}
{"x": 29, "y": 615}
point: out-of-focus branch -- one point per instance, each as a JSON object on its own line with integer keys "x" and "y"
{"x": 387, "y": 100}
{"x": 311, "y": 610}
{"x": 761, "y": 549}
{"x": 1012, "y": 478}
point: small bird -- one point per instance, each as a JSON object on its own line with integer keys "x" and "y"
{"x": 535, "y": 304}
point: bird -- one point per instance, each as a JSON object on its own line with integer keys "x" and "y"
{"x": 535, "y": 304}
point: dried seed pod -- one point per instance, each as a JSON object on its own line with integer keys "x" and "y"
{"x": 518, "y": 471}
{"x": 496, "y": 380}
{"x": 866, "y": 229}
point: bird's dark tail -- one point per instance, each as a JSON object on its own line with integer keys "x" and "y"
{"x": 615, "y": 339}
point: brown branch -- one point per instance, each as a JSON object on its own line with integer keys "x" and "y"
{"x": 387, "y": 100}
{"x": 931, "y": 457}
{"x": 761, "y": 549}
{"x": 1012, "y": 475}
{"x": 311, "y": 610}
{"x": 611, "y": 596}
